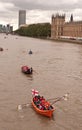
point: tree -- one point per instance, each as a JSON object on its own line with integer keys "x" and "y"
{"x": 40, "y": 30}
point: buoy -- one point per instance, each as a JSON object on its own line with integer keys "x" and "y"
{"x": 1, "y": 49}
{"x": 30, "y": 52}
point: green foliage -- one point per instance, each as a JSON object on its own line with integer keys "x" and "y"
{"x": 35, "y": 30}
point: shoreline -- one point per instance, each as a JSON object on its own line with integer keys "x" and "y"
{"x": 67, "y": 40}
{"x": 58, "y": 40}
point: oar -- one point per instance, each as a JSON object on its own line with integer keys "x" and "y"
{"x": 21, "y": 106}
{"x": 65, "y": 97}
{"x": 35, "y": 71}
{"x": 51, "y": 99}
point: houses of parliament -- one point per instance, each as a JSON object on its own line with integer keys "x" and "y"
{"x": 60, "y": 28}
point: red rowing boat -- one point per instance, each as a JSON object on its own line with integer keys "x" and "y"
{"x": 48, "y": 111}
{"x": 27, "y": 70}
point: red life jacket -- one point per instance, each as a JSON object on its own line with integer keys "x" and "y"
{"x": 35, "y": 99}
{"x": 45, "y": 104}
{"x": 41, "y": 98}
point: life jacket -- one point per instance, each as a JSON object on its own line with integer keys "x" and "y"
{"x": 45, "y": 104}
{"x": 41, "y": 98}
{"x": 35, "y": 99}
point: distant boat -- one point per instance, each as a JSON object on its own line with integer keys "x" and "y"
{"x": 1, "y": 49}
{"x": 30, "y": 52}
{"x": 26, "y": 70}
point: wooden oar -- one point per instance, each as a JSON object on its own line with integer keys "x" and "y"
{"x": 65, "y": 97}
{"x": 21, "y": 106}
{"x": 51, "y": 99}
{"x": 35, "y": 71}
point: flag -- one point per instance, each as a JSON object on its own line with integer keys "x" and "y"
{"x": 35, "y": 92}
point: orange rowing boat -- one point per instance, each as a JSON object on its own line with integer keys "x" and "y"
{"x": 45, "y": 112}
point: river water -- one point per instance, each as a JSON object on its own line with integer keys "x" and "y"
{"x": 57, "y": 70}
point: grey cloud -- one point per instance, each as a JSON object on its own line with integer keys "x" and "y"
{"x": 45, "y": 4}
{"x": 63, "y": 6}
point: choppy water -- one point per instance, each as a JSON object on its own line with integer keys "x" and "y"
{"x": 58, "y": 70}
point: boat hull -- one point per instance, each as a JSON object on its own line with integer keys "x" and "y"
{"x": 25, "y": 70}
{"x": 47, "y": 113}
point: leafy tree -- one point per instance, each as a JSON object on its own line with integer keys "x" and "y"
{"x": 40, "y": 30}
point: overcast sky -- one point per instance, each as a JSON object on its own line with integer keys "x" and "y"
{"x": 38, "y": 10}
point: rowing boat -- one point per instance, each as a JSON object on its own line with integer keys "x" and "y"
{"x": 26, "y": 70}
{"x": 46, "y": 112}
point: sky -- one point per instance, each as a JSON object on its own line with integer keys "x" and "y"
{"x": 38, "y": 11}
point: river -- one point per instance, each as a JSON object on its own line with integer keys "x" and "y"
{"x": 57, "y": 71}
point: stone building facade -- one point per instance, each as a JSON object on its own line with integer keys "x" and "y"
{"x": 61, "y": 28}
